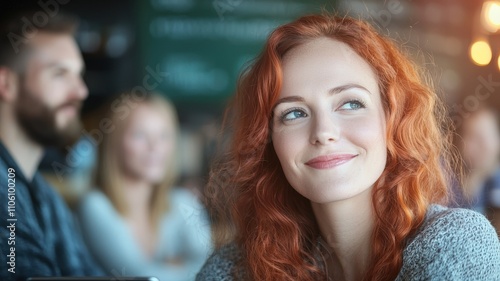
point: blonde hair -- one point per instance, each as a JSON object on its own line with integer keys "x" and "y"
{"x": 109, "y": 173}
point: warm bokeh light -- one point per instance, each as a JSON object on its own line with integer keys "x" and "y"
{"x": 491, "y": 16}
{"x": 498, "y": 62}
{"x": 480, "y": 52}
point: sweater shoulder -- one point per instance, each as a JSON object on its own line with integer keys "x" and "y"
{"x": 455, "y": 223}
{"x": 454, "y": 243}
{"x": 95, "y": 202}
{"x": 222, "y": 265}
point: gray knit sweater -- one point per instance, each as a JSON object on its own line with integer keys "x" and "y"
{"x": 451, "y": 244}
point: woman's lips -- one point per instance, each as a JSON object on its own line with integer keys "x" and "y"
{"x": 329, "y": 161}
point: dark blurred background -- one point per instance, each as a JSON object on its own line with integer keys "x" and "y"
{"x": 196, "y": 49}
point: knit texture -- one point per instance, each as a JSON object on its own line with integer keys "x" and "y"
{"x": 451, "y": 244}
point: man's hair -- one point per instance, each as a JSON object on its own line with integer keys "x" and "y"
{"x": 17, "y": 28}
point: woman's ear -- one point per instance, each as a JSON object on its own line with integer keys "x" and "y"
{"x": 8, "y": 85}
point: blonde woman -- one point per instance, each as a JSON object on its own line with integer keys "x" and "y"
{"x": 135, "y": 222}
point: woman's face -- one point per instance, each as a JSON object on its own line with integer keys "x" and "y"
{"x": 329, "y": 123}
{"x": 481, "y": 141}
{"x": 148, "y": 144}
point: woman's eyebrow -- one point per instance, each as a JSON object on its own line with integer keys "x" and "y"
{"x": 332, "y": 91}
{"x": 342, "y": 88}
{"x": 289, "y": 99}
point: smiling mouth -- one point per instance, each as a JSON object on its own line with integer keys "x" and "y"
{"x": 329, "y": 161}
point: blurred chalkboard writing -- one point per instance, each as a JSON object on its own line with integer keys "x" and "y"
{"x": 200, "y": 46}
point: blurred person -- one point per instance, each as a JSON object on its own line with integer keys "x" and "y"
{"x": 480, "y": 147}
{"x": 136, "y": 219}
{"x": 338, "y": 167}
{"x": 41, "y": 92}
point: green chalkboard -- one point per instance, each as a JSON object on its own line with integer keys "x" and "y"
{"x": 201, "y": 46}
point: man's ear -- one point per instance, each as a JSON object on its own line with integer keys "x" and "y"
{"x": 8, "y": 84}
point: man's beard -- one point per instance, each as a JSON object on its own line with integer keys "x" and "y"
{"x": 39, "y": 121}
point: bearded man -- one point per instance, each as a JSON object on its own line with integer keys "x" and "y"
{"x": 41, "y": 92}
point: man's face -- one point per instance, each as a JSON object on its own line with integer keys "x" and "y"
{"x": 52, "y": 90}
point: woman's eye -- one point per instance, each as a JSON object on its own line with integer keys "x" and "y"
{"x": 293, "y": 114}
{"x": 353, "y": 105}
{"x": 59, "y": 72}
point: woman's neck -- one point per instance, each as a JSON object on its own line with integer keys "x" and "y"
{"x": 137, "y": 195}
{"x": 475, "y": 179}
{"x": 346, "y": 226}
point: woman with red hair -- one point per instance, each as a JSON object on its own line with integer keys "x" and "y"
{"x": 339, "y": 167}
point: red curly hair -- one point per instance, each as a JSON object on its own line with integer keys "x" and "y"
{"x": 274, "y": 225}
